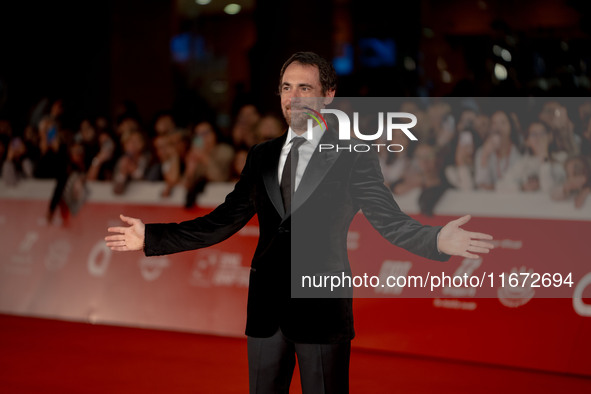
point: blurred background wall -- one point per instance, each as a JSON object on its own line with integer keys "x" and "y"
{"x": 202, "y": 57}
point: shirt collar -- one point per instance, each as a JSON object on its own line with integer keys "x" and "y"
{"x": 317, "y": 133}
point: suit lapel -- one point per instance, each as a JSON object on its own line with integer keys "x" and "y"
{"x": 317, "y": 168}
{"x": 270, "y": 178}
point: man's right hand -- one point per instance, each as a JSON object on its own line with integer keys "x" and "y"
{"x": 127, "y": 238}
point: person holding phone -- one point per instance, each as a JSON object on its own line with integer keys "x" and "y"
{"x": 208, "y": 160}
{"x": 133, "y": 163}
{"x": 460, "y": 174}
{"x": 541, "y": 168}
{"x": 498, "y": 153}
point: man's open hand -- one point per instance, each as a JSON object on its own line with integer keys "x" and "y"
{"x": 127, "y": 238}
{"x": 458, "y": 242}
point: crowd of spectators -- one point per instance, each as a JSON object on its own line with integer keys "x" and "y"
{"x": 128, "y": 150}
{"x": 461, "y": 147}
{"x": 546, "y": 149}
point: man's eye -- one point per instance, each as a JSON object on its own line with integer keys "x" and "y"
{"x": 285, "y": 88}
{"x": 305, "y": 88}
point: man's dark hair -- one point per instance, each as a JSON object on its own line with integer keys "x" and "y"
{"x": 328, "y": 76}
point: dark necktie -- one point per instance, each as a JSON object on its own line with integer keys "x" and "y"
{"x": 288, "y": 176}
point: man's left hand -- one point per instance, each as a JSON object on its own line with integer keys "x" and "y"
{"x": 458, "y": 242}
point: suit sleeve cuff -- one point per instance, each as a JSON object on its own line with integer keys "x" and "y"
{"x": 441, "y": 255}
{"x": 152, "y": 236}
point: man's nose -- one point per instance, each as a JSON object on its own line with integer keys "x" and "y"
{"x": 293, "y": 93}
{"x": 294, "y": 98}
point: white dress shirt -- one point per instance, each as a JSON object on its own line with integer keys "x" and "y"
{"x": 305, "y": 152}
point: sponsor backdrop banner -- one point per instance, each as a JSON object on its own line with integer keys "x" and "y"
{"x": 65, "y": 271}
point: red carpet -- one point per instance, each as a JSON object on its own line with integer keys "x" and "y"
{"x": 49, "y": 356}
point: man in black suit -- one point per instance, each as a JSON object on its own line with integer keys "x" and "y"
{"x": 305, "y": 200}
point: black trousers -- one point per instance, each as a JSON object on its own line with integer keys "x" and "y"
{"x": 324, "y": 368}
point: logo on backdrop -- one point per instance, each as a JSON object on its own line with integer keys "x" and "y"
{"x": 214, "y": 267}
{"x": 151, "y": 267}
{"x": 388, "y": 124}
{"x": 582, "y": 308}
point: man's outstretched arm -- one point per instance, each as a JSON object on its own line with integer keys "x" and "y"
{"x": 166, "y": 238}
{"x": 432, "y": 242}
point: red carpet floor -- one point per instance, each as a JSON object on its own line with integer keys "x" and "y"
{"x": 49, "y": 356}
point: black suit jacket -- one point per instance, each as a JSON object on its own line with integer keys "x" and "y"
{"x": 313, "y": 237}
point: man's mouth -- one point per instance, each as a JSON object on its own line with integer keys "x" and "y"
{"x": 295, "y": 111}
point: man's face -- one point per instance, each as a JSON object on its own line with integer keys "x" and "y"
{"x": 301, "y": 81}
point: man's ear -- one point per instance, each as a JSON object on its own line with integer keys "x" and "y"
{"x": 329, "y": 96}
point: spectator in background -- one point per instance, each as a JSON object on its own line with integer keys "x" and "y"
{"x": 539, "y": 168}
{"x": 467, "y": 119}
{"x": 133, "y": 163}
{"x": 442, "y": 123}
{"x": 70, "y": 191}
{"x": 77, "y": 160}
{"x": 268, "y": 127}
{"x": 243, "y": 132}
{"x": 427, "y": 177}
{"x": 17, "y": 164}
{"x": 423, "y": 129}
{"x": 578, "y": 181}
{"x": 164, "y": 123}
{"x": 102, "y": 125}
{"x": 74, "y": 191}
{"x": 53, "y": 158}
{"x": 585, "y": 110}
{"x": 181, "y": 140}
{"x": 127, "y": 124}
{"x": 166, "y": 165}
{"x": 555, "y": 116}
{"x": 208, "y": 160}
{"x": 102, "y": 164}
{"x": 5, "y": 137}
{"x": 62, "y": 158}
{"x": 4, "y": 143}
{"x": 586, "y": 138}
{"x": 88, "y": 138}
{"x": 583, "y": 130}
{"x": 498, "y": 153}
{"x": 458, "y": 154}
{"x": 57, "y": 109}
{"x": 470, "y": 119}
{"x": 482, "y": 126}
{"x": 31, "y": 141}
{"x": 395, "y": 164}
{"x": 460, "y": 173}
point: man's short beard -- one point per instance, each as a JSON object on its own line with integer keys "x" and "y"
{"x": 298, "y": 115}
{"x": 298, "y": 121}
